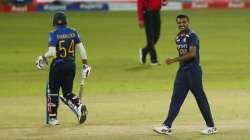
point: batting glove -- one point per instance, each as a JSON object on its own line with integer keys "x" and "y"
{"x": 41, "y": 62}
{"x": 85, "y": 71}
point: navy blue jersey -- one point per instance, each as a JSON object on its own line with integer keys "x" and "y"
{"x": 65, "y": 40}
{"x": 183, "y": 43}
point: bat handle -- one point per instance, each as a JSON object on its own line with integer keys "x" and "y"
{"x": 82, "y": 82}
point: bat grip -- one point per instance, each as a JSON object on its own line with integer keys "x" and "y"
{"x": 82, "y": 82}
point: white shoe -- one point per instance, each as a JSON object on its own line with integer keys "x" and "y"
{"x": 209, "y": 131}
{"x": 163, "y": 129}
{"x": 155, "y": 64}
{"x": 82, "y": 113}
{"x": 53, "y": 121}
{"x": 78, "y": 111}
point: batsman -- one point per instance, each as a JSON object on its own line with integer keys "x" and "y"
{"x": 61, "y": 47}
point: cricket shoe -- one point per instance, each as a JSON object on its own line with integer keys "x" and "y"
{"x": 53, "y": 122}
{"x": 155, "y": 64}
{"x": 142, "y": 57}
{"x": 209, "y": 131}
{"x": 163, "y": 129}
{"x": 82, "y": 113}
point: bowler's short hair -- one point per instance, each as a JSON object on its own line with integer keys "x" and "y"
{"x": 182, "y": 16}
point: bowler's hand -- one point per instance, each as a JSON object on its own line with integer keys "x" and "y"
{"x": 141, "y": 24}
{"x": 169, "y": 61}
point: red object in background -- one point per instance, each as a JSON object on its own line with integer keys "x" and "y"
{"x": 247, "y": 3}
{"x": 218, "y": 3}
{"x": 6, "y": 8}
{"x": 32, "y": 8}
{"x": 187, "y": 5}
{"x": 13, "y": 8}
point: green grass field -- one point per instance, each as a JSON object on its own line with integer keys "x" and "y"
{"x": 125, "y": 99}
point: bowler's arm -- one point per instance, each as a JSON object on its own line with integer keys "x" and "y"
{"x": 187, "y": 56}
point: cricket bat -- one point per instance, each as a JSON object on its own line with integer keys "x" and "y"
{"x": 81, "y": 89}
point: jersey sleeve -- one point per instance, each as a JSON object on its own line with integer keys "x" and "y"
{"x": 77, "y": 38}
{"x": 193, "y": 40}
{"x": 52, "y": 39}
{"x": 140, "y": 10}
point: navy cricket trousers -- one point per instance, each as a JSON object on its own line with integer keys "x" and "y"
{"x": 189, "y": 79}
{"x": 61, "y": 75}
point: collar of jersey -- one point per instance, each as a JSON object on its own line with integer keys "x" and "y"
{"x": 186, "y": 31}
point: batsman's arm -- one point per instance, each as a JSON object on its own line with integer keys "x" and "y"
{"x": 82, "y": 52}
{"x": 50, "y": 53}
{"x": 42, "y": 60}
